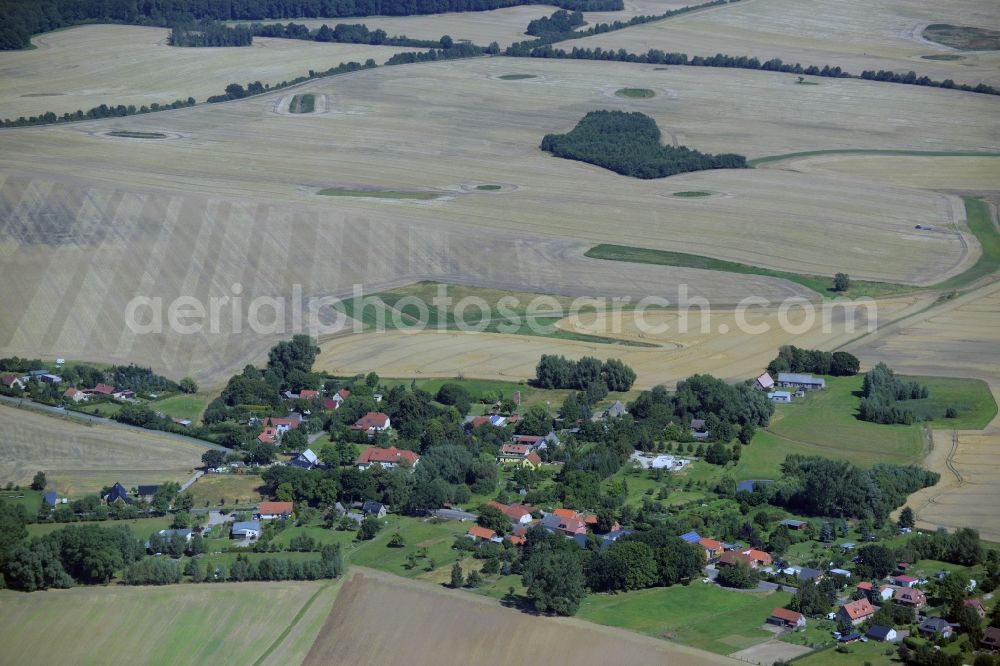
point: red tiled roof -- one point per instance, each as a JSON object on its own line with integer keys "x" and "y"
{"x": 269, "y": 436}
{"x": 514, "y": 511}
{"x": 905, "y": 579}
{"x": 373, "y": 454}
{"x": 481, "y": 532}
{"x": 344, "y": 393}
{"x": 566, "y": 513}
{"x": 865, "y": 586}
{"x": 858, "y": 609}
{"x": 371, "y": 421}
{"x": 308, "y": 394}
{"x": 518, "y": 540}
{"x": 733, "y": 557}
{"x": 710, "y": 544}
{"x": 103, "y": 389}
{"x": 8, "y": 380}
{"x": 786, "y": 615}
{"x": 331, "y": 404}
{"x": 291, "y": 422}
{"x": 759, "y": 556}
{"x": 528, "y": 439}
{"x": 515, "y": 449}
{"x": 534, "y": 458}
{"x": 274, "y": 508}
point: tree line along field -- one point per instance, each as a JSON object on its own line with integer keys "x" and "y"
{"x": 855, "y": 35}
{"x": 268, "y": 247}
{"x": 86, "y": 66}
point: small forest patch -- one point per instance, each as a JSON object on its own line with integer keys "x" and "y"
{"x": 629, "y": 144}
{"x": 963, "y": 37}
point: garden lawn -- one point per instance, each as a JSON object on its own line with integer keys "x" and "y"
{"x": 226, "y": 490}
{"x": 700, "y": 615}
{"x": 182, "y": 406}
{"x": 141, "y": 527}
{"x": 416, "y": 533}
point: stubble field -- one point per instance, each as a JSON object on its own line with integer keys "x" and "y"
{"x": 91, "y": 65}
{"x": 853, "y": 34}
{"x": 176, "y": 624}
{"x": 79, "y": 459}
{"x": 465, "y": 628}
{"x": 933, "y": 173}
{"x": 90, "y": 224}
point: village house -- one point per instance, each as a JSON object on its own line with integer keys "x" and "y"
{"x": 806, "y": 574}
{"x": 372, "y": 422}
{"x": 101, "y": 389}
{"x": 800, "y": 381}
{"x": 275, "y": 427}
{"x": 878, "y": 632}
{"x": 519, "y": 455}
{"x": 786, "y": 618}
{"x": 732, "y": 558}
{"x": 565, "y": 521}
{"x": 308, "y": 394}
{"x": 976, "y": 605}
{"x": 117, "y": 495}
{"x": 477, "y": 533}
{"x": 372, "y": 508}
{"x": 615, "y": 410}
{"x": 764, "y": 383}
{"x": 910, "y": 596}
{"x": 185, "y": 533}
{"x": 388, "y": 458}
{"x": 50, "y": 498}
{"x": 306, "y": 460}
{"x": 247, "y": 529}
{"x": 274, "y": 510}
{"x": 780, "y": 396}
{"x": 691, "y": 537}
{"x": 991, "y": 639}
{"x": 933, "y": 627}
{"x": 12, "y": 382}
{"x": 856, "y": 612}
{"x": 794, "y": 524}
{"x": 519, "y": 514}
{"x": 146, "y": 492}
{"x": 903, "y": 580}
{"x": 76, "y": 395}
{"x": 713, "y": 548}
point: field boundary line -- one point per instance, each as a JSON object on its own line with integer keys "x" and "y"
{"x": 295, "y": 620}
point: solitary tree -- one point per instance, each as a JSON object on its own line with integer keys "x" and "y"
{"x": 38, "y": 483}
{"x": 841, "y": 282}
{"x": 188, "y": 386}
{"x": 906, "y": 517}
{"x": 456, "y": 576}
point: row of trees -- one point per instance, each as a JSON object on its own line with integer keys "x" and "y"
{"x": 19, "y": 19}
{"x": 660, "y": 57}
{"x": 210, "y": 33}
{"x": 795, "y": 359}
{"x": 882, "y": 391}
{"x": 101, "y": 111}
{"x": 557, "y": 372}
{"x": 354, "y": 33}
{"x": 629, "y": 144}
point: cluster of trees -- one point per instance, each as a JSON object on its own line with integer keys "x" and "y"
{"x": 153, "y": 571}
{"x": 355, "y": 33}
{"x": 816, "y": 486}
{"x": 552, "y": 35}
{"x": 74, "y": 554}
{"x": 210, "y": 33}
{"x": 629, "y": 144}
{"x": 557, "y": 372}
{"x": 660, "y": 57}
{"x": 882, "y": 391}
{"x": 19, "y": 19}
{"x": 102, "y": 111}
{"x": 560, "y": 22}
{"x": 650, "y": 558}
{"x": 452, "y": 52}
{"x": 138, "y": 379}
{"x": 796, "y": 359}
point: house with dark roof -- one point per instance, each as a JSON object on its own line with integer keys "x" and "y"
{"x": 616, "y": 410}
{"x": 117, "y": 495}
{"x": 146, "y": 492}
{"x": 800, "y": 381}
{"x": 879, "y": 632}
{"x": 371, "y": 508}
{"x": 807, "y": 574}
{"x": 794, "y": 524}
{"x": 306, "y": 460}
{"x": 691, "y": 537}
{"x": 752, "y": 485}
{"x": 387, "y": 458}
{"x": 787, "y": 618}
{"x": 50, "y": 498}
{"x": 991, "y": 639}
{"x": 935, "y": 626}
{"x": 568, "y": 526}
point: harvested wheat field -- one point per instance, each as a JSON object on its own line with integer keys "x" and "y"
{"x": 853, "y": 34}
{"x": 175, "y": 624}
{"x": 80, "y": 459}
{"x": 91, "y": 225}
{"x": 465, "y": 628}
{"x": 91, "y": 65}
{"x": 722, "y": 348}
{"x": 933, "y": 173}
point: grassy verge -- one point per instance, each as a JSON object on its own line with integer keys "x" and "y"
{"x": 303, "y": 103}
{"x": 378, "y": 194}
{"x": 487, "y": 188}
{"x": 865, "y": 151}
{"x": 820, "y": 284}
{"x": 398, "y": 309}
{"x": 635, "y": 93}
{"x": 127, "y": 134}
{"x": 977, "y": 214}
{"x": 699, "y": 615}
{"x": 691, "y": 194}
{"x": 516, "y": 77}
